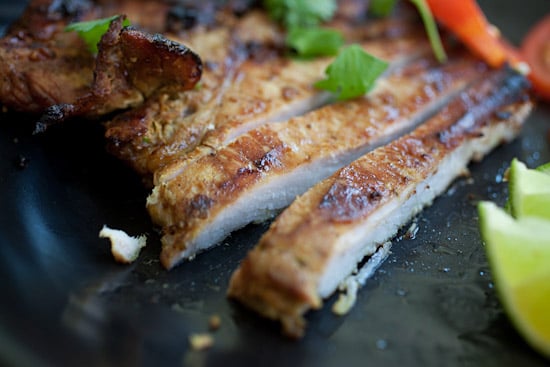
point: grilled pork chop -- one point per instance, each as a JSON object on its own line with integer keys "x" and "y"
{"x": 319, "y": 240}
{"x": 247, "y": 77}
{"x": 241, "y": 131}
{"x": 263, "y": 170}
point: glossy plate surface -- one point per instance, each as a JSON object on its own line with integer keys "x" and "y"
{"x": 64, "y": 302}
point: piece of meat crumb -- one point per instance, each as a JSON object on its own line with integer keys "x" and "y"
{"x": 125, "y": 248}
{"x": 214, "y": 322}
{"x": 201, "y": 341}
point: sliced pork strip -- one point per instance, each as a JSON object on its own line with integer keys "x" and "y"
{"x": 265, "y": 169}
{"x": 319, "y": 240}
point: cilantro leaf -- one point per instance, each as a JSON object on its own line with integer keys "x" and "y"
{"x": 310, "y": 42}
{"x": 300, "y": 13}
{"x": 382, "y": 8}
{"x": 92, "y": 31}
{"x": 431, "y": 29}
{"x": 352, "y": 74}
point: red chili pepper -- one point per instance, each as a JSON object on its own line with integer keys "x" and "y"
{"x": 466, "y": 20}
{"x": 535, "y": 49}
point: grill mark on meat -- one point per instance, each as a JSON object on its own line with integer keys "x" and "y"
{"x": 302, "y": 150}
{"x": 345, "y": 201}
{"x": 318, "y": 241}
{"x": 199, "y": 206}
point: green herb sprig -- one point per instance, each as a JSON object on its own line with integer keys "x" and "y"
{"x": 92, "y": 31}
{"x": 383, "y": 8}
{"x": 431, "y": 29}
{"x": 300, "y": 13}
{"x": 353, "y": 73}
{"x": 314, "y": 41}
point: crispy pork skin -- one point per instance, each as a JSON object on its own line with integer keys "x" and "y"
{"x": 319, "y": 240}
{"x": 263, "y": 170}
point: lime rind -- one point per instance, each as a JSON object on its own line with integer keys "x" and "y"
{"x": 529, "y": 191}
{"x": 544, "y": 168}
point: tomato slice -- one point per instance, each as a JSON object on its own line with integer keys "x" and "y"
{"x": 535, "y": 49}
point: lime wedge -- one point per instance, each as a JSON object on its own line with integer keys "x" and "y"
{"x": 545, "y": 168}
{"x": 529, "y": 191}
{"x": 519, "y": 256}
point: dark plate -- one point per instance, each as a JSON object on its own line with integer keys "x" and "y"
{"x": 64, "y": 301}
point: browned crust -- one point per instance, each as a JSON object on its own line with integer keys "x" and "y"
{"x": 292, "y": 255}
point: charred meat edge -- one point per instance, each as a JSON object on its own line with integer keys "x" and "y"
{"x": 130, "y": 66}
{"x": 264, "y": 170}
{"x": 319, "y": 240}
